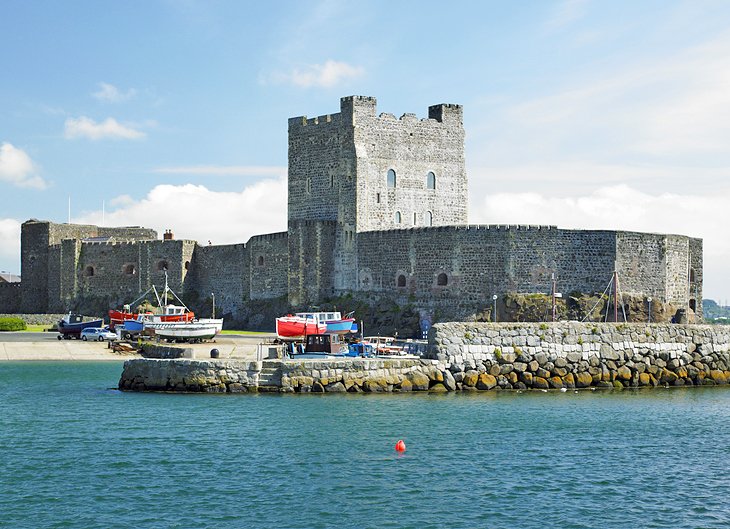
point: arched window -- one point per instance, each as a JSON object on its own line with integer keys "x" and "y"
{"x": 89, "y": 271}
{"x": 332, "y": 180}
{"x": 397, "y": 217}
{"x": 401, "y": 282}
{"x": 261, "y": 260}
{"x": 187, "y": 265}
{"x": 162, "y": 265}
{"x": 442, "y": 280}
{"x": 391, "y": 178}
{"x": 308, "y": 185}
{"x": 129, "y": 270}
{"x": 429, "y": 218}
{"x": 415, "y": 218}
{"x": 430, "y": 180}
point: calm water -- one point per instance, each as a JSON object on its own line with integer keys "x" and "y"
{"x": 76, "y": 454}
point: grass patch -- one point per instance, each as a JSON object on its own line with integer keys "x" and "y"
{"x": 37, "y": 327}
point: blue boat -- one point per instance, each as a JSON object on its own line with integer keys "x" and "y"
{"x": 71, "y": 325}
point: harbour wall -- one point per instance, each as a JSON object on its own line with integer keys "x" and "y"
{"x": 580, "y": 355}
{"x": 473, "y": 357}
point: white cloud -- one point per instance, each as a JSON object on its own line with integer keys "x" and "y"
{"x": 84, "y": 127}
{"x": 326, "y": 75}
{"x": 196, "y": 212}
{"x": 623, "y": 207}
{"x": 10, "y": 245}
{"x": 111, "y": 94}
{"x": 17, "y": 168}
{"x": 225, "y": 170}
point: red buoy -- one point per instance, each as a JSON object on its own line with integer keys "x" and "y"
{"x": 400, "y": 446}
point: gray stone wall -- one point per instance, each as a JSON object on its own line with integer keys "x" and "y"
{"x": 10, "y": 297}
{"x": 473, "y": 357}
{"x": 269, "y": 265}
{"x": 412, "y": 148}
{"x": 223, "y": 270}
{"x": 43, "y": 261}
{"x": 480, "y": 261}
{"x": 571, "y": 354}
{"x": 311, "y": 267}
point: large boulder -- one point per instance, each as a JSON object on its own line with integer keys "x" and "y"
{"x": 486, "y": 381}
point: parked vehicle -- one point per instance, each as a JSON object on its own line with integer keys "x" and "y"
{"x": 71, "y": 325}
{"x": 97, "y": 334}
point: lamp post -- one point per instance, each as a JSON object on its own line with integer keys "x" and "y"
{"x": 494, "y": 300}
{"x": 213, "y": 296}
{"x": 648, "y": 300}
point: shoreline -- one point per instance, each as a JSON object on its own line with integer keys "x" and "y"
{"x": 18, "y": 347}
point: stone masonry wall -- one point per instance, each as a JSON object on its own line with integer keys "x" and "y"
{"x": 269, "y": 265}
{"x": 575, "y": 355}
{"x": 474, "y": 357}
{"x": 411, "y": 147}
{"x": 10, "y": 297}
{"x": 480, "y": 261}
{"x": 223, "y": 270}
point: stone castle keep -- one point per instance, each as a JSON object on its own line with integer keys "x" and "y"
{"x": 377, "y": 210}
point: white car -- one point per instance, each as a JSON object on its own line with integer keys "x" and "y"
{"x": 98, "y": 334}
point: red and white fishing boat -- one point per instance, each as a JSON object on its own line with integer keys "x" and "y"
{"x": 167, "y": 313}
{"x": 297, "y": 327}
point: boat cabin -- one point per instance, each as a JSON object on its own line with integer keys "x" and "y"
{"x": 324, "y": 344}
{"x": 320, "y": 317}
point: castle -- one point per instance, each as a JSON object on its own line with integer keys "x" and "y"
{"x": 377, "y": 208}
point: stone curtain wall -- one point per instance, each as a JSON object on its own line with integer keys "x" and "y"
{"x": 10, "y": 295}
{"x": 45, "y": 270}
{"x": 269, "y": 265}
{"x": 575, "y": 355}
{"x": 480, "y": 261}
{"x": 223, "y": 270}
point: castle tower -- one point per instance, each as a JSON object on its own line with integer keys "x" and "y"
{"x": 365, "y": 172}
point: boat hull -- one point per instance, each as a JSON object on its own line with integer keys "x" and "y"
{"x": 340, "y": 326}
{"x": 185, "y": 332}
{"x": 76, "y": 328}
{"x": 293, "y": 328}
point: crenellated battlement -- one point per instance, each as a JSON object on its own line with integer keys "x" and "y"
{"x": 269, "y": 236}
{"x": 469, "y": 227}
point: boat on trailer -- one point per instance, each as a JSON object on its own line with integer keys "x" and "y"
{"x": 167, "y": 312}
{"x": 71, "y": 325}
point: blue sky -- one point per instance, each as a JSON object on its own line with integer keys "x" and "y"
{"x": 173, "y": 114}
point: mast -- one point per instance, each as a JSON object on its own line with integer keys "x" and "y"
{"x": 615, "y": 296}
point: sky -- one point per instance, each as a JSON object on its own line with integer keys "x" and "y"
{"x": 173, "y": 114}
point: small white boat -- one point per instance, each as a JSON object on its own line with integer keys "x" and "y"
{"x": 216, "y": 322}
{"x": 188, "y": 332}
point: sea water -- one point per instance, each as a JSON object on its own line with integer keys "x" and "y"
{"x": 74, "y": 452}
